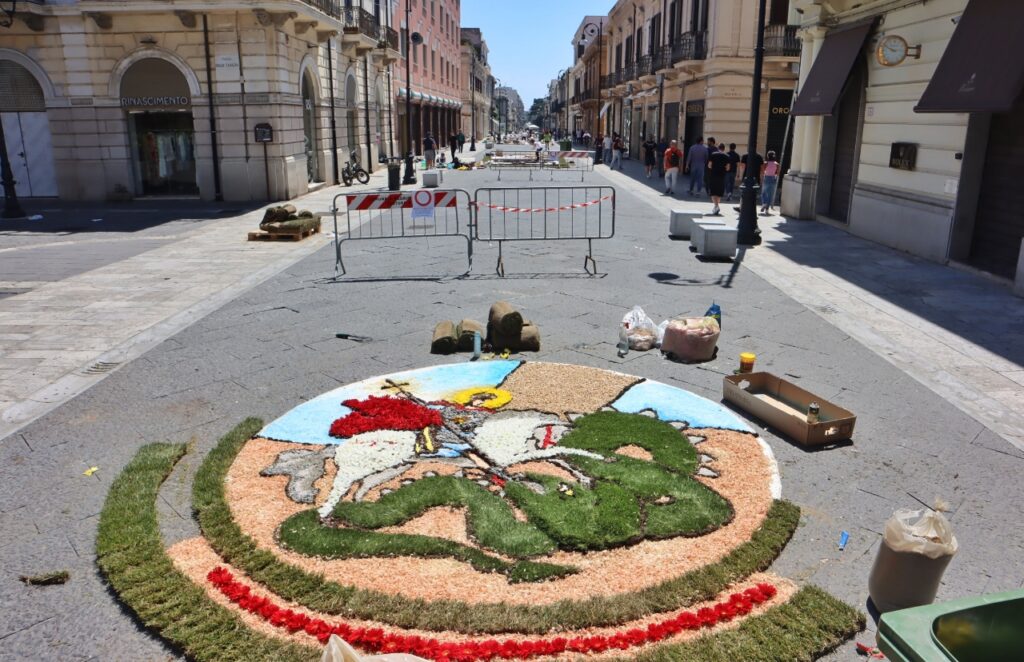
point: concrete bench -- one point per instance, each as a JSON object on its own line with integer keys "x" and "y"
{"x": 699, "y": 230}
{"x": 718, "y": 241}
{"x": 680, "y": 222}
{"x": 432, "y": 178}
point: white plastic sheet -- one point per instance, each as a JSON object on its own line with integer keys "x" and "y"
{"x": 338, "y": 650}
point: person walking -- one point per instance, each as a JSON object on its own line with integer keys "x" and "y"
{"x": 462, "y": 141}
{"x": 429, "y": 150}
{"x": 718, "y": 170}
{"x": 672, "y": 162}
{"x": 453, "y": 144}
{"x": 730, "y": 177}
{"x": 607, "y": 145}
{"x": 696, "y": 162}
{"x": 617, "y": 148}
{"x": 770, "y": 177}
{"x": 650, "y": 159}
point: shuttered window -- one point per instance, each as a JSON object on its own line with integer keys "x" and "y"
{"x": 19, "y": 91}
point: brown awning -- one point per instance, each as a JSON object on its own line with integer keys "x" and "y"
{"x": 831, "y": 68}
{"x": 979, "y": 72}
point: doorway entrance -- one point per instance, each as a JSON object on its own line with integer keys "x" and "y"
{"x": 27, "y": 131}
{"x": 164, "y": 149}
{"x": 840, "y": 139}
{"x": 694, "y": 123}
{"x": 158, "y": 103}
{"x": 998, "y": 223}
{"x": 309, "y": 129}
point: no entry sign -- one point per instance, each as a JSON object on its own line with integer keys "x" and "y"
{"x": 423, "y": 204}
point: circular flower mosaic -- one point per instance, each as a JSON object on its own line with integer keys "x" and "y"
{"x": 500, "y": 509}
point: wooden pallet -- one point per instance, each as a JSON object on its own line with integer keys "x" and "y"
{"x": 282, "y": 236}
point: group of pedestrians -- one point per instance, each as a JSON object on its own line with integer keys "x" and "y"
{"x": 456, "y": 143}
{"x": 712, "y": 167}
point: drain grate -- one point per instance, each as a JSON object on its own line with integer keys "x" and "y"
{"x": 100, "y": 368}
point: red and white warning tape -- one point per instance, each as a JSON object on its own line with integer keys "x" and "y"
{"x": 537, "y": 210}
{"x": 374, "y": 201}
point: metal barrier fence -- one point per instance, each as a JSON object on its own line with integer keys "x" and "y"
{"x": 391, "y": 216}
{"x": 552, "y": 162}
{"x": 545, "y": 214}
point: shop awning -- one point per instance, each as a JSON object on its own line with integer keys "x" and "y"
{"x": 604, "y": 108}
{"x": 979, "y": 71}
{"x": 831, "y": 68}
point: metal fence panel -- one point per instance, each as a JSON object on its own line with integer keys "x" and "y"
{"x": 389, "y": 216}
{"x": 545, "y": 214}
{"x": 555, "y": 162}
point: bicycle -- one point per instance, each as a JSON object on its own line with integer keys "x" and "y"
{"x": 354, "y": 171}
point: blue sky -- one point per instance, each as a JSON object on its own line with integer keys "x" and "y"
{"x": 529, "y": 40}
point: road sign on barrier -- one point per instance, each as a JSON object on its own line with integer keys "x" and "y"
{"x": 423, "y": 204}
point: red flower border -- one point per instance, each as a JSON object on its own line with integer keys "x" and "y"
{"x": 376, "y": 640}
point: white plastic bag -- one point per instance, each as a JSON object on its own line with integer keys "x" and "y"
{"x": 925, "y": 532}
{"x": 338, "y": 650}
{"x": 641, "y": 331}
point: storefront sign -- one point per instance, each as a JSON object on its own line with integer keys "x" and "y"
{"x": 155, "y": 102}
{"x": 695, "y": 108}
{"x": 264, "y": 133}
{"x": 903, "y": 156}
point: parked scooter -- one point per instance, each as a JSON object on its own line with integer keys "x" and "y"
{"x": 353, "y": 170}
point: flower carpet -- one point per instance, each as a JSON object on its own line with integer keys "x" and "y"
{"x": 478, "y": 511}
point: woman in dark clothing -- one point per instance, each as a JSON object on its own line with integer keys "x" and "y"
{"x": 650, "y": 160}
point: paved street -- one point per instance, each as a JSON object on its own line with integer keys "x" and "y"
{"x": 201, "y": 329}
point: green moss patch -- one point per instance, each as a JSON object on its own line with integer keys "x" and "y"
{"x": 131, "y": 556}
{"x": 316, "y": 593}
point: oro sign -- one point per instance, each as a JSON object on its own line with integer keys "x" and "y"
{"x": 423, "y": 204}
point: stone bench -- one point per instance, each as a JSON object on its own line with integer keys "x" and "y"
{"x": 680, "y": 222}
{"x": 432, "y": 178}
{"x": 718, "y": 241}
{"x": 699, "y": 230}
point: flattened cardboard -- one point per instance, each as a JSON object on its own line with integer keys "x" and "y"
{"x": 783, "y": 406}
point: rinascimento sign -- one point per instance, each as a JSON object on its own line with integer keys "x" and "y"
{"x": 156, "y": 102}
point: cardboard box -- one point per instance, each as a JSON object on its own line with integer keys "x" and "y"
{"x": 783, "y": 406}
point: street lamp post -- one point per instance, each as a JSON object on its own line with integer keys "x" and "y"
{"x": 747, "y": 232}
{"x": 410, "y": 172}
{"x": 472, "y": 137}
{"x": 589, "y": 29}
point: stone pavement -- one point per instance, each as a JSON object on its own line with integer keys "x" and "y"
{"x": 273, "y": 346}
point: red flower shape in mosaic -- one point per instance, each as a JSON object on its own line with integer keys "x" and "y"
{"x": 383, "y": 413}
{"x": 377, "y": 640}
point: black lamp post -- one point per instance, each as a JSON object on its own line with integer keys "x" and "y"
{"x": 747, "y": 232}
{"x": 589, "y": 30}
{"x": 12, "y": 208}
{"x": 472, "y": 137}
{"x": 410, "y": 172}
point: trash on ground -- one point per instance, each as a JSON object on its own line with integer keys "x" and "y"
{"x": 747, "y": 360}
{"x": 784, "y": 406}
{"x": 353, "y": 337}
{"x": 46, "y": 578}
{"x": 90, "y": 471}
{"x": 844, "y": 538}
{"x": 715, "y": 311}
{"x": 641, "y": 332}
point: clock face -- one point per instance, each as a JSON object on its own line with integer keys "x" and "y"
{"x": 891, "y": 51}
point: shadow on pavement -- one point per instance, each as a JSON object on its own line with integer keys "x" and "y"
{"x": 75, "y": 217}
{"x": 966, "y": 304}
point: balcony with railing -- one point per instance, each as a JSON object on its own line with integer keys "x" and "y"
{"x": 644, "y": 66}
{"x": 690, "y": 46}
{"x": 361, "y": 33}
{"x": 663, "y": 57}
{"x": 781, "y": 40}
{"x": 610, "y": 81}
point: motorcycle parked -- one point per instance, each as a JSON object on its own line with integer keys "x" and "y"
{"x": 354, "y": 171}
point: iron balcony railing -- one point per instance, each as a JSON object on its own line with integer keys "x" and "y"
{"x": 628, "y": 72}
{"x": 610, "y": 80}
{"x": 643, "y": 65}
{"x": 359, "y": 21}
{"x": 330, "y": 7}
{"x": 690, "y": 46}
{"x": 390, "y": 35}
{"x": 663, "y": 58}
{"x": 781, "y": 40}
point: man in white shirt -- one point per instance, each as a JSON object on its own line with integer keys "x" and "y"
{"x": 607, "y": 149}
